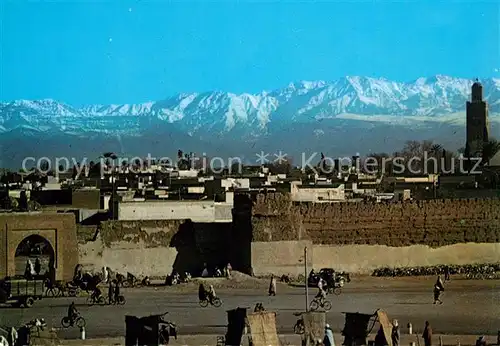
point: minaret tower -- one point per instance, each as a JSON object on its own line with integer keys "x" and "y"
{"x": 477, "y": 121}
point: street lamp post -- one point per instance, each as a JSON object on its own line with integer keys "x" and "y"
{"x": 113, "y": 194}
{"x": 305, "y": 279}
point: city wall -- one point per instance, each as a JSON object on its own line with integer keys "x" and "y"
{"x": 286, "y": 257}
{"x": 269, "y": 233}
{"x": 153, "y": 248}
{"x": 360, "y": 237}
{"x": 433, "y": 223}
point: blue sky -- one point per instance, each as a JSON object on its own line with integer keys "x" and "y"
{"x": 86, "y": 52}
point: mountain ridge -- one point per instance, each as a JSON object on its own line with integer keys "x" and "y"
{"x": 349, "y": 110}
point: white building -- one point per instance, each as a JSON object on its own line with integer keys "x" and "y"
{"x": 317, "y": 193}
{"x": 197, "y": 211}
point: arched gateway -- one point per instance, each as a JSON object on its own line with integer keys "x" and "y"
{"x": 48, "y": 237}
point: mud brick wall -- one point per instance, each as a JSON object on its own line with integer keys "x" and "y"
{"x": 152, "y": 233}
{"x": 153, "y": 247}
{"x": 434, "y": 223}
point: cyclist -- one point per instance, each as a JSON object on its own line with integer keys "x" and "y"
{"x": 202, "y": 293}
{"x": 96, "y": 294}
{"x": 211, "y": 294}
{"x": 72, "y": 312}
{"x": 321, "y": 296}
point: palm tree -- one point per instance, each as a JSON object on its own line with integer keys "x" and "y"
{"x": 436, "y": 149}
{"x": 489, "y": 150}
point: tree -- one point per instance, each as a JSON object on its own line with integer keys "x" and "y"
{"x": 489, "y": 150}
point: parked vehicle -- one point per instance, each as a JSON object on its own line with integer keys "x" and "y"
{"x": 334, "y": 280}
{"x": 21, "y": 292}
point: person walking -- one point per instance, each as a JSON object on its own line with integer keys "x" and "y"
{"x": 438, "y": 289}
{"x": 272, "y": 286}
{"x": 38, "y": 266}
{"x": 105, "y": 274}
{"x": 117, "y": 292}
{"x": 447, "y": 273}
{"x": 427, "y": 335}
{"x": 395, "y": 334}
{"x": 110, "y": 292}
{"x": 328, "y": 340}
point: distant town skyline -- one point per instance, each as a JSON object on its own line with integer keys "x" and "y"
{"x": 131, "y": 52}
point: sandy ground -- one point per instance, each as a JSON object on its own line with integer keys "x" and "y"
{"x": 470, "y": 307}
{"x": 448, "y": 340}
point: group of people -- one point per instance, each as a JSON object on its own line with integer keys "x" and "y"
{"x": 217, "y": 272}
{"x": 113, "y": 292}
{"x": 31, "y": 269}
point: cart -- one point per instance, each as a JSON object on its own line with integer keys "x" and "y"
{"x": 21, "y": 292}
{"x": 358, "y": 326}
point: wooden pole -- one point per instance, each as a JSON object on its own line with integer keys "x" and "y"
{"x": 305, "y": 279}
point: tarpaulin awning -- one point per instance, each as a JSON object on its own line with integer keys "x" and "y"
{"x": 263, "y": 328}
{"x": 314, "y": 325}
{"x": 386, "y": 326}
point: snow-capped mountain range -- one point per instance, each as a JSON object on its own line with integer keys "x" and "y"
{"x": 308, "y": 109}
{"x": 221, "y": 112}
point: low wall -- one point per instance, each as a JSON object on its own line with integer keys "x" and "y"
{"x": 283, "y": 257}
{"x": 125, "y": 257}
{"x": 154, "y": 247}
{"x": 365, "y": 258}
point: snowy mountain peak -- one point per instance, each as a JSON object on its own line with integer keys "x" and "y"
{"x": 222, "y": 112}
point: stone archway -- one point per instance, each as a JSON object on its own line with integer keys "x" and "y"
{"x": 35, "y": 251}
{"x": 58, "y": 230}
{"x": 19, "y": 239}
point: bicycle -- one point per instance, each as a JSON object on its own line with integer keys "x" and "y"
{"x": 215, "y": 302}
{"x": 53, "y": 292}
{"x": 79, "y": 321}
{"x": 91, "y": 300}
{"x": 317, "y": 303}
{"x": 337, "y": 290}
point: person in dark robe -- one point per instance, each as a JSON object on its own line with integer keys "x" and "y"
{"x": 395, "y": 334}
{"x": 272, "y": 286}
{"x": 110, "y": 292}
{"x": 438, "y": 289}
{"x": 38, "y": 266}
{"x": 481, "y": 341}
{"x": 117, "y": 292}
{"x": 164, "y": 335}
{"x": 427, "y": 335}
{"x": 202, "y": 293}
{"x": 447, "y": 273}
